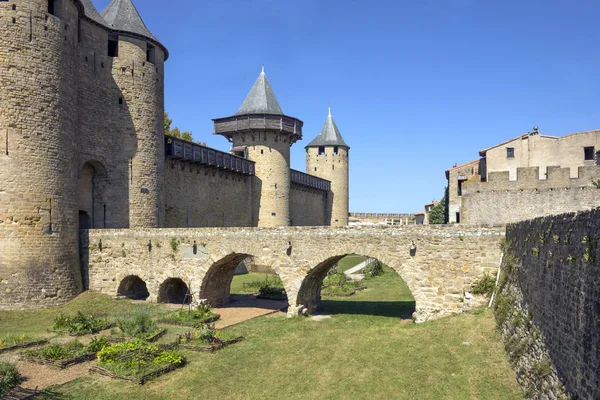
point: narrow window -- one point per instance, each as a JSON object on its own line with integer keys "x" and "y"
{"x": 458, "y": 218}
{"x": 588, "y": 153}
{"x": 460, "y": 182}
{"x": 150, "y": 53}
{"x": 51, "y": 7}
{"x": 510, "y": 152}
{"x": 335, "y": 150}
{"x": 120, "y": 100}
{"x": 321, "y": 150}
{"x": 113, "y": 46}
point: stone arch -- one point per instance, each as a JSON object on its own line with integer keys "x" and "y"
{"x": 92, "y": 187}
{"x": 133, "y": 287}
{"x": 173, "y": 290}
{"x": 309, "y": 293}
{"x": 216, "y": 284}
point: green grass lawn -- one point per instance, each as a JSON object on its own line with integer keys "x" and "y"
{"x": 348, "y": 262}
{"x": 363, "y": 351}
{"x": 237, "y": 285}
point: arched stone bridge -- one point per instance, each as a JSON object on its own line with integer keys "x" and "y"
{"x": 445, "y": 263}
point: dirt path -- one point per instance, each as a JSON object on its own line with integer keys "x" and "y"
{"x": 244, "y": 308}
{"x": 42, "y": 377}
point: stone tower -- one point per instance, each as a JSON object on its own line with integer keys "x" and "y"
{"x": 138, "y": 71}
{"x": 69, "y": 81}
{"x": 327, "y": 157}
{"x": 266, "y": 134}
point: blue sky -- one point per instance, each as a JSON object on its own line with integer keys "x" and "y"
{"x": 415, "y": 86}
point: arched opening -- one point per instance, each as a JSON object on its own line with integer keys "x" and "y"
{"x": 238, "y": 280}
{"x": 173, "y": 290}
{"x": 91, "y": 188}
{"x": 134, "y": 288}
{"x": 354, "y": 284}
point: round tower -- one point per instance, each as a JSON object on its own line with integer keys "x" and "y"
{"x": 138, "y": 70}
{"x": 39, "y": 262}
{"x": 327, "y": 157}
{"x": 267, "y": 135}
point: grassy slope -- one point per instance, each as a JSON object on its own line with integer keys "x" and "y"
{"x": 350, "y": 356}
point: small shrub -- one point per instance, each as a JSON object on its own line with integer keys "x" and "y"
{"x": 174, "y": 244}
{"x": 485, "y": 285}
{"x": 139, "y": 324}
{"x": 374, "y": 269}
{"x": 9, "y": 378}
{"x": 201, "y": 313}
{"x": 79, "y": 323}
{"x": 502, "y": 308}
{"x": 596, "y": 183}
{"x": 542, "y": 368}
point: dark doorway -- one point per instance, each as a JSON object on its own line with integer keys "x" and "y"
{"x": 174, "y": 291}
{"x": 85, "y": 222}
{"x": 133, "y": 288}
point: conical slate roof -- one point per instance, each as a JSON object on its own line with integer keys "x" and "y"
{"x": 122, "y": 15}
{"x": 329, "y": 136}
{"x": 261, "y": 99}
{"x": 92, "y": 13}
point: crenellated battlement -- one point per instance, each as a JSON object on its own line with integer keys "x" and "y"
{"x": 528, "y": 179}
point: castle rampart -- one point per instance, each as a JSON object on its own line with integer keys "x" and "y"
{"x": 500, "y": 200}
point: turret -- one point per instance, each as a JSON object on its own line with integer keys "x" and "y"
{"x": 327, "y": 157}
{"x": 267, "y": 133}
{"x": 39, "y": 262}
{"x": 138, "y": 70}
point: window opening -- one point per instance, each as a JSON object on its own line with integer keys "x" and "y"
{"x": 321, "y": 150}
{"x": 510, "y": 152}
{"x": 150, "y": 53}
{"x": 113, "y": 47}
{"x": 588, "y": 153}
{"x": 458, "y": 218}
{"x": 460, "y": 182}
{"x": 51, "y": 7}
{"x": 335, "y": 149}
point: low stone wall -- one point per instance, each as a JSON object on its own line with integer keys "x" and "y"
{"x": 446, "y": 262}
{"x": 548, "y": 306}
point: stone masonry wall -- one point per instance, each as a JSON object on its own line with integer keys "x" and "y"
{"x": 548, "y": 306}
{"x": 308, "y": 207}
{"x": 501, "y": 201}
{"x": 198, "y": 196}
{"x": 447, "y": 260}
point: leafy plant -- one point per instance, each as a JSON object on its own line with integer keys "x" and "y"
{"x": 137, "y": 357}
{"x": 485, "y": 285}
{"x": 200, "y": 314}
{"x": 174, "y": 244}
{"x": 374, "y": 269}
{"x": 98, "y": 344}
{"x": 596, "y": 183}
{"x": 139, "y": 324}
{"x": 9, "y": 378}
{"x": 79, "y": 323}
{"x": 58, "y": 352}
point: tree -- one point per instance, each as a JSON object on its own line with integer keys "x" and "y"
{"x": 176, "y": 132}
{"x": 439, "y": 213}
{"x": 167, "y": 121}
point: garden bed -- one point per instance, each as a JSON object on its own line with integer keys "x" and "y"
{"x": 64, "y": 355}
{"x": 61, "y": 363}
{"x": 80, "y": 324}
{"x": 200, "y": 315}
{"x": 136, "y": 361}
{"x": 210, "y": 348}
{"x": 22, "y": 346}
{"x": 207, "y": 320}
{"x": 140, "y": 380}
{"x": 152, "y": 338}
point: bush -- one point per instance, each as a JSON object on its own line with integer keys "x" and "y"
{"x": 79, "y": 323}
{"x": 9, "y": 378}
{"x": 336, "y": 279}
{"x": 272, "y": 291}
{"x": 374, "y": 269}
{"x": 57, "y": 352}
{"x": 137, "y": 325}
{"x": 485, "y": 285}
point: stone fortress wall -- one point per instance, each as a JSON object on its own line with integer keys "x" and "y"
{"x": 501, "y": 201}
{"x": 82, "y": 145}
{"x": 548, "y": 306}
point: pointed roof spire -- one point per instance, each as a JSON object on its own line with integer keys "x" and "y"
{"x": 92, "y": 13}
{"x": 261, "y": 99}
{"x": 330, "y": 135}
{"x": 122, "y": 15}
